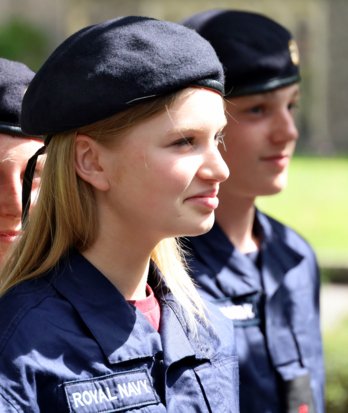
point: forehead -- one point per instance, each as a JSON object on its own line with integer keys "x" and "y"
{"x": 287, "y": 92}
{"x": 16, "y": 148}
{"x": 193, "y": 111}
{"x": 197, "y": 107}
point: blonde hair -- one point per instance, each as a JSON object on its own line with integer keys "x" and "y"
{"x": 65, "y": 215}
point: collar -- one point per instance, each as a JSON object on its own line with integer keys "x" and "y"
{"x": 236, "y": 274}
{"x": 278, "y": 257}
{"x": 117, "y": 326}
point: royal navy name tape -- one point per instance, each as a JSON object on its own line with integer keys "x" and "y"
{"x": 130, "y": 389}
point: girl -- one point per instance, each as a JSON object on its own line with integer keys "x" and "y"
{"x": 97, "y": 311}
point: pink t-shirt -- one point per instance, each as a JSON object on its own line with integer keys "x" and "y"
{"x": 150, "y": 307}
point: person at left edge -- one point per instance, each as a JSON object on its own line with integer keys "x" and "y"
{"x": 97, "y": 311}
{"x": 16, "y": 148}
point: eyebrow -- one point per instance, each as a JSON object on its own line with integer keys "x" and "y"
{"x": 194, "y": 128}
{"x": 295, "y": 93}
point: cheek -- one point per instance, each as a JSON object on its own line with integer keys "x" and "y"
{"x": 234, "y": 151}
{"x": 126, "y": 169}
{"x": 176, "y": 172}
{"x": 292, "y": 146}
{"x": 170, "y": 179}
{"x": 243, "y": 143}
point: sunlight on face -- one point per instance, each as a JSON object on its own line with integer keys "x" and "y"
{"x": 260, "y": 139}
{"x": 14, "y": 154}
{"x": 165, "y": 175}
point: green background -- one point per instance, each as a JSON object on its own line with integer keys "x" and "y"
{"x": 315, "y": 203}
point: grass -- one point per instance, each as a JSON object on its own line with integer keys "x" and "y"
{"x": 336, "y": 366}
{"x": 315, "y": 203}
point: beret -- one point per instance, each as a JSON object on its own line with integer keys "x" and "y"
{"x": 14, "y": 80}
{"x": 257, "y": 53}
{"x": 105, "y": 68}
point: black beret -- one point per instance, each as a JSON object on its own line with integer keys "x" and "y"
{"x": 257, "y": 53}
{"x": 105, "y": 68}
{"x": 14, "y": 80}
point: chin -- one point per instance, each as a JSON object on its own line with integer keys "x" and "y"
{"x": 274, "y": 187}
{"x": 271, "y": 191}
{"x": 203, "y": 227}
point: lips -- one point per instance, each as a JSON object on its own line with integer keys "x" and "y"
{"x": 274, "y": 157}
{"x": 9, "y": 235}
{"x": 279, "y": 160}
{"x": 206, "y": 199}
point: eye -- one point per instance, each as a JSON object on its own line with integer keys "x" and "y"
{"x": 258, "y": 109}
{"x": 184, "y": 141}
{"x": 292, "y": 106}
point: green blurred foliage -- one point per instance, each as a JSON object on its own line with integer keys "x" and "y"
{"x": 21, "y": 41}
{"x": 336, "y": 362}
{"x": 315, "y": 204}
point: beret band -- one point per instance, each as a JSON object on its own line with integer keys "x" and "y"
{"x": 105, "y": 68}
{"x": 13, "y": 130}
{"x": 262, "y": 87}
{"x": 211, "y": 84}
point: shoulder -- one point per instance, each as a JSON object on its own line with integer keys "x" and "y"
{"x": 25, "y": 315}
{"x": 215, "y": 332}
{"x": 26, "y": 311}
{"x": 19, "y": 301}
{"x": 288, "y": 246}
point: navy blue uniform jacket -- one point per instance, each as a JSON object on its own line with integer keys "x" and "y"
{"x": 69, "y": 342}
{"x": 274, "y": 302}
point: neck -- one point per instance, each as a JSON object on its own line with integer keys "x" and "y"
{"x": 125, "y": 264}
{"x": 235, "y": 216}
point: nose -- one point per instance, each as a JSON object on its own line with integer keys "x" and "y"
{"x": 284, "y": 129}
{"x": 214, "y": 168}
{"x": 11, "y": 197}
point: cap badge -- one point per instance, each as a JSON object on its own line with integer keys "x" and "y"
{"x": 294, "y": 52}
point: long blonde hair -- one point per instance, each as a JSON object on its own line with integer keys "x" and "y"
{"x": 65, "y": 215}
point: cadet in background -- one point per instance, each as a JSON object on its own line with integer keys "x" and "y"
{"x": 262, "y": 274}
{"x": 16, "y": 148}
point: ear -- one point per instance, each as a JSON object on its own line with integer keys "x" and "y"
{"x": 87, "y": 162}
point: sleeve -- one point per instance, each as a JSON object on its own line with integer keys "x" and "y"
{"x": 307, "y": 326}
{"x": 304, "y": 308}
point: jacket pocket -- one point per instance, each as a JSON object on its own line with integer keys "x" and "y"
{"x": 219, "y": 381}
